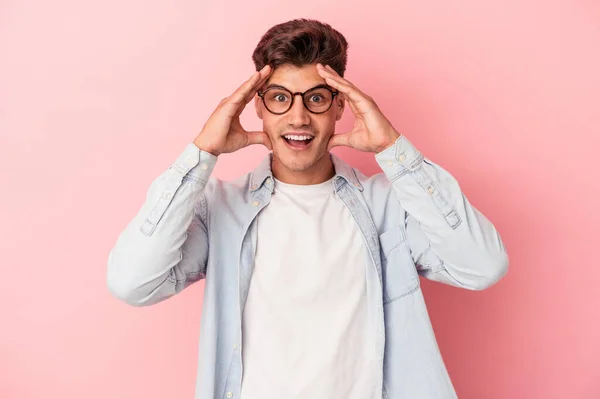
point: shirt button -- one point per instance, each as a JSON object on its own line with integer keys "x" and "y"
{"x": 189, "y": 161}
{"x": 168, "y": 195}
{"x": 255, "y": 203}
{"x": 253, "y": 187}
{"x": 402, "y": 158}
{"x": 230, "y": 394}
{"x": 235, "y": 347}
{"x": 430, "y": 189}
{"x": 204, "y": 166}
{"x": 390, "y": 163}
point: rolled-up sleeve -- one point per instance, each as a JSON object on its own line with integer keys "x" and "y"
{"x": 164, "y": 248}
{"x": 450, "y": 240}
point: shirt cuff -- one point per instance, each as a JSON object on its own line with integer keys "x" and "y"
{"x": 195, "y": 163}
{"x": 399, "y": 158}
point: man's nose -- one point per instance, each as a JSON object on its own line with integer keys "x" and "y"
{"x": 298, "y": 115}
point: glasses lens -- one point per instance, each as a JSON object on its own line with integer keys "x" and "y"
{"x": 318, "y": 100}
{"x": 277, "y": 100}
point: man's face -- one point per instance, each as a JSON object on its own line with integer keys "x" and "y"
{"x": 295, "y": 155}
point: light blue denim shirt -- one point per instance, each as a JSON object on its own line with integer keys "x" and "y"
{"x": 414, "y": 220}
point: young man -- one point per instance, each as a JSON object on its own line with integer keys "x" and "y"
{"x": 312, "y": 269}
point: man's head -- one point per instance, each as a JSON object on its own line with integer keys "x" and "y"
{"x": 293, "y": 49}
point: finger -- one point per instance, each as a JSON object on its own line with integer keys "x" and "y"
{"x": 332, "y": 70}
{"x": 353, "y": 97}
{"x": 259, "y": 138}
{"x": 243, "y": 90}
{"x": 241, "y": 105}
{"x": 336, "y": 76}
{"x": 237, "y": 102}
{"x": 350, "y": 92}
{"x": 323, "y": 66}
{"x": 337, "y": 140}
{"x": 351, "y": 104}
{"x": 249, "y": 86}
{"x": 352, "y": 100}
{"x": 345, "y": 81}
{"x": 265, "y": 73}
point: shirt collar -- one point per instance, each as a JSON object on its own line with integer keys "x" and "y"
{"x": 343, "y": 173}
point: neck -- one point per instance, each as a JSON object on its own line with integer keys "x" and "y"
{"x": 320, "y": 172}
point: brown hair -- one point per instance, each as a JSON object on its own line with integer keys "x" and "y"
{"x": 302, "y": 42}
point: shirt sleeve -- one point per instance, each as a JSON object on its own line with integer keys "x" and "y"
{"x": 450, "y": 240}
{"x": 164, "y": 248}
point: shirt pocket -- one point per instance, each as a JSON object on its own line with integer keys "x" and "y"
{"x": 400, "y": 277}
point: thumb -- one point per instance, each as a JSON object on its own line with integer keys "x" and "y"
{"x": 259, "y": 138}
{"x": 339, "y": 140}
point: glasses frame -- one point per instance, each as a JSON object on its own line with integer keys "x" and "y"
{"x": 293, "y": 95}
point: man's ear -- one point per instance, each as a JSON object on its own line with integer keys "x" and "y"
{"x": 257, "y": 106}
{"x": 340, "y": 105}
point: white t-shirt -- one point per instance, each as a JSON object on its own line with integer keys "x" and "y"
{"x": 305, "y": 319}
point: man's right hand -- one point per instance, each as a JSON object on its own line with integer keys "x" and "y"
{"x": 223, "y": 132}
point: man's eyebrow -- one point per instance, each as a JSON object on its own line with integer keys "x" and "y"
{"x": 274, "y": 85}
{"x": 277, "y": 86}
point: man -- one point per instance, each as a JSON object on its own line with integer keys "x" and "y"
{"x": 312, "y": 269}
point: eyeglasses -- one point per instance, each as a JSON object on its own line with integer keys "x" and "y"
{"x": 278, "y": 100}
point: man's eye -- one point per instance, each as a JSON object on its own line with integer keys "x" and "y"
{"x": 316, "y": 98}
{"x": 280, "y": 97}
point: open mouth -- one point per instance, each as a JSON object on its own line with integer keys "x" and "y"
{"x": 299, "y": 141}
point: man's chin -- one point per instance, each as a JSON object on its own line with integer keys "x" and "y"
{"x": 298, "y": 162}
{"x": 293, "y": 162}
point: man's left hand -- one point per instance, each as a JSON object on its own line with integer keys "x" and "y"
{"x": 372, "y": 131}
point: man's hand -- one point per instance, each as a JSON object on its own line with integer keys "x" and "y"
{"x": 372, "y": 131}
{"x": 223, "y": 132}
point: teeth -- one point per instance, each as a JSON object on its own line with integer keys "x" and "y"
{"x": 299, "y": 138}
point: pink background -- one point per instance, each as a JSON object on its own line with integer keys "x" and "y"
{"x": 98, "y": 98}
